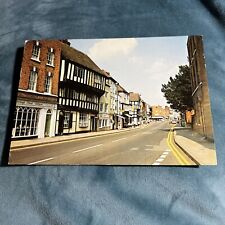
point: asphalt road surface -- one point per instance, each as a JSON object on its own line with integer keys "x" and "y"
{"x": 142, "y": 146}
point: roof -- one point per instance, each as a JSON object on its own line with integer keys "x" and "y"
{"x": 107, "y": 74}
{"x": 134, "y": 97}
{"x": 79, "y": 57}
{"x": 121, "y": 89}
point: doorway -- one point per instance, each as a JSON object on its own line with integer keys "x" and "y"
{"x": 48, "y": 123}
{"x": 61, "y": 123}
{"x": 93, "y": 123}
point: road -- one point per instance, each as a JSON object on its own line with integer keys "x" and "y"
{"x": 141, "y": 146}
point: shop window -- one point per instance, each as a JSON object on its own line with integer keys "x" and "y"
{"x": 83, "y": 120}
{"x": 68, "y": 119}
{"x": 25, "y": 122}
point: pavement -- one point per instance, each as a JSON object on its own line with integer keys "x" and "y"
{"x": 201, "y": 150}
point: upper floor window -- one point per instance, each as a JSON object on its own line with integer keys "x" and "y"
{"x": 97, "y": 79}
{"x": 101, "y": 107}
{"x": 80, "y": 72}
{"x": 83, "y": 96}
{"x": 48, "y": 83}
{"x": 36, "y": 51}
{"x": 50, "y": 57}
{"x": 106, "y": 107}
{"x": 32, "y": 80}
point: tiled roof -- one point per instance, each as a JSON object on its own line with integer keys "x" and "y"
{"x": 107, "y": 74}
{"x": 121, "y": 89}
{"x": 79, "y": 57}
{"x": 134, "y": 97}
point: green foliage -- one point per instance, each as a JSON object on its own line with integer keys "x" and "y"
{"x": 178, "y": 90}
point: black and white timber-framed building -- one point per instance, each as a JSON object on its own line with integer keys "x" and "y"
{"x": 81, "y": 84}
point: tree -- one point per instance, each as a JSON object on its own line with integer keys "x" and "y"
{"x": 178, "y": 90}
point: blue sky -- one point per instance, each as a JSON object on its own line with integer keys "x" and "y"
{"x": 138, "y": 64}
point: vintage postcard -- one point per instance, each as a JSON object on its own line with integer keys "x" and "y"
{"x": 123, "y": 101}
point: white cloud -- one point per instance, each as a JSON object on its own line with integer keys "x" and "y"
{"x": 111, "y": 48}
{"x": 161, "y": 69}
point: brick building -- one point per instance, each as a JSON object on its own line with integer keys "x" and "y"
{"x": 36, "y": 104}
{"x": 202, "y": 118}
{"x": 160, "y": 112}
{"x": 157, "y": 111}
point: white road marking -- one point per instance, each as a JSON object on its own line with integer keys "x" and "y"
{"x": 84, "y": 149}
{"x": 165, "y": 153}
{"x": 159, "y": 160}
{"x": 134, "y": 149}
{"x": 156, "y": 164}
{"x": 43, "y": 160}
{"x": 167, "y": 150}
{"x": 119, "y": 139}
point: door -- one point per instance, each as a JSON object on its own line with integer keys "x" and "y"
{"x": 61, "y": 123}
{"x": 48, "y": 123}
{"x": 93, "y": 123}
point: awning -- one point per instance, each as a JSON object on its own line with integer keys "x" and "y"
{"x": 128, "y": 115}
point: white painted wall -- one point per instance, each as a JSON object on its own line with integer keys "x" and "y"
{"x": 41, "y": 123}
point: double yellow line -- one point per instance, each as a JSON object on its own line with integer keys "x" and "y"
{"x": 175, "y": 149}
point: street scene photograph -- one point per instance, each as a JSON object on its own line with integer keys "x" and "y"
{"x": 121, "y": 101}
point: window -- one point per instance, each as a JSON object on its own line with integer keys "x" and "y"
{"x": 32, "y": 80}
{"x": 100, "y": 123}
{"x": 97, "y": 81}
{"x": 101, "y": 107}
{"x": 48, "y": 83}
{"x": 79, "y": 74}
{"x": 83, "y": 120}
{"x": 36, "y": 51}
{"x": 25, "y": 122}
{"x": 106, "y": 107}
{"x": 68, "y": 118}
{"x": 50, "y": 57}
